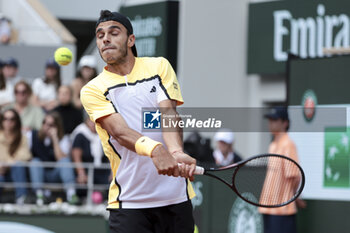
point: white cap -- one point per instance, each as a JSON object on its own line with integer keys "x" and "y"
{"x": 88, "y": 60}
{"x": 227, "y": 137}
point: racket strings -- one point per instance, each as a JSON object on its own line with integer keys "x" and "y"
{"x": 270, "y": 181}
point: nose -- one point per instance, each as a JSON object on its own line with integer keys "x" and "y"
{"x": 106, "y": 39}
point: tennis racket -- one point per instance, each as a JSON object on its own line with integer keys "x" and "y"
{"x": 268, "y": 180}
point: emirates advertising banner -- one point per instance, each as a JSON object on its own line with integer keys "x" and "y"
{"x": 155, "y": 28}
{"x": 303, "y": 28}
{"x": 315, "y": 85}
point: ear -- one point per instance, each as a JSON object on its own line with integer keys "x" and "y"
{"x": 131, "y": 40}
{"x": 285, "y": 125}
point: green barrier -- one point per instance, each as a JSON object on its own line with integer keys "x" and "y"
{"x": 60, "y": 223}
{"x": 218, "y": 209}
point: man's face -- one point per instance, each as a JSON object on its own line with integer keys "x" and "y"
{"x": 277, "y": 125}
{"x": 22, "y": 94}
{"x": 50, "y": 72}
{"x": 224, "y": 147}
{"x": 112, "y": 42}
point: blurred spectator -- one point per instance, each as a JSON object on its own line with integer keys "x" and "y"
{"x": 87, "y": 148}
{"x": 224, "y": 153}
{"x": 71, "y": 116}
{"x": 200, "y": 149}
{"x": 50, "y": 145}
{"x": 87, "y": 71}
{"x": 2, "y": 86}
{"x": 10, "y": 71}
{"x": 31, "y": 116}
{"x": 281, "y": 219}
{"x": 45, "y": 88}
{"x": 5, "y": 30}
{"x": 10, "y": 74}
{"x": 13, "y": 150}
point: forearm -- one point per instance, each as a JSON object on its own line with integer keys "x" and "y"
{"x": 116, "y": 126}
{"x": 127, "y": 138}
{"x": 57, "y": 150}
{"x": 173, "y": 136}
{"x": 76, "y": 156}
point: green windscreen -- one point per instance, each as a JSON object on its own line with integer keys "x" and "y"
{"x": 328, "y": 77}
{"x": 324, "y": 155}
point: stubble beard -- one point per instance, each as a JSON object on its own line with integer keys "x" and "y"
{"x": 117, "y": 60}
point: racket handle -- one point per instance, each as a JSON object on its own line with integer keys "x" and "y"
{"x": 198, "y": 171}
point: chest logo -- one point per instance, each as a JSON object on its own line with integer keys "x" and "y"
{"x": 154, "y": 89}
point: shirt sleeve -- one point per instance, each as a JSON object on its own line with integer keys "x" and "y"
{"x": 78, "y": 141}
{"x": 95, "y": 102}
{"x": 169, "y": 84}
{"x": 65, "y": 145}
{"x": 23, "y": 153}
{"x": 36, "y": 86}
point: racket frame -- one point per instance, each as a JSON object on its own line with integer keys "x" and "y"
{"x": 241, "y": 163}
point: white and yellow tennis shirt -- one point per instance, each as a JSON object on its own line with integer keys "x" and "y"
{"x": 136, "y": 182}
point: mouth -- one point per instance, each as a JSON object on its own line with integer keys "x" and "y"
{"x": 107, "y": 48}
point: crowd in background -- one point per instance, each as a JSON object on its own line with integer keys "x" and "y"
{"x": 43, "y": 121}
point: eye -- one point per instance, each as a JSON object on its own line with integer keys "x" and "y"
{"x": 115, "y": 33}
{"x": 100, "y": 35}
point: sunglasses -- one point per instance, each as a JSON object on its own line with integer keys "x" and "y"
{"x": 9, "y": 119}
{"x": 49, "y": 124}
{"x": 21, "y": 92}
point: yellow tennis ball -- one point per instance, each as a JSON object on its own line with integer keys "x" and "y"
{"x": 63, "y": 56}
{"x": 196, "y": 229}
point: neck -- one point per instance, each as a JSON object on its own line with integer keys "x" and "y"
{"x": 226, "y": 153}
{"x": 124, "y": 68}
{"x": 278, "y": 135}
{"x": 20, "y": 106}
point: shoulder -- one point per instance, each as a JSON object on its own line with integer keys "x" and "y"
{"x": 156, "y": 62}
{"x": 65, "y": 140}
{"x": 80, "y": 138}
{"x": 287, "y": 140}
{"x": 38, "y": 81}
{"x": 24, "y": 140}
{"x": 33, "y": 133}
{"x": 36, "y": 110}
{"x": 91, "y": 88}
{"x": 38, "y": 85}
{"x": 77, "y": 83}
{"x": 95, "y": 83}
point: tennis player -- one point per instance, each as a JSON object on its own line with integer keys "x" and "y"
{"x": 149, "y": 192}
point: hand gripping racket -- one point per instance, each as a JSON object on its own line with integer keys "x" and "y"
{"x": 268, "y": 180}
